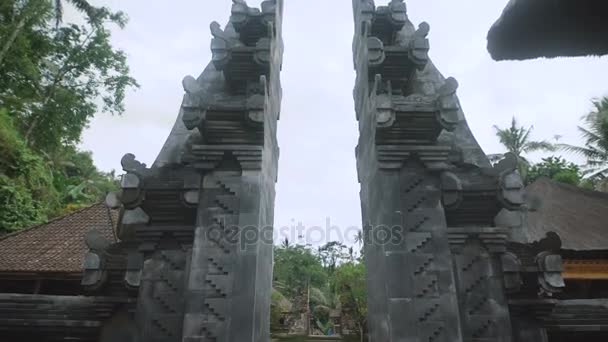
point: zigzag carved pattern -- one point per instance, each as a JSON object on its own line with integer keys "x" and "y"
{"x": 419, "y": 224}
{"x": 214, "y": 313}
{"x": 471, "y": 263}
{"x": 168, "y": 282}
{"x": 207, "y": 335}
{"x": 162, "y": 328}
{"x": 165, "y": 304}
{"x": 421, "y": 245}
{"x": 424, "y": 266}
{"x": 414, "y": 185}
{"x": 476, "y": 307}
{"x": 483, "y": 329}
{"x": 416, "y": 205}
{"x": 174, "y": 264}
{"x": 223, "y": 206}
{"x": 219, "y": 241}
{"x": 218, "y": 267}
{"x": 225, "y": 188}
{"x": 435, "y": 334}
{"x": 474, "y": 285}
{"x": 215, "y": 288}
{"x": 427, "y": 289}
{"x": 428, "y": 313}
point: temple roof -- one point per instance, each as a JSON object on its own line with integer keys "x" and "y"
{"x": 550, "y": 28}
{"x": 57, "y": 246}
{"x": 578, "y": 216}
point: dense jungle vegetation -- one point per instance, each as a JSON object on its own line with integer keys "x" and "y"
{"x": 54, "y": 77}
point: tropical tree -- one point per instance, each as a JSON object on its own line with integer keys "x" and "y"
{"x": 26, "y": 13}
{"x": 332, "y": 254}
{"x": 297, "y": 268}
{"x": 27, "y": 194}
{"x": 595, "y": 134}
{"x": 557, "y": 169}
{"x": 360, "y": 240}
{"x": 351, "y": 288}
{"x": 53, "y": 81}
{"x": 81, "y": 5}
{"x": 285, "y": 243}
{"x": 517, "y": 140}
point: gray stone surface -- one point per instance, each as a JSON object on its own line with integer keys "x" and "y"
{"x": 196, "y": 227}
{"x": 425, "y": 181}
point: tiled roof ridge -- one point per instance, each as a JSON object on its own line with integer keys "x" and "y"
{"x": 58, "y": 218}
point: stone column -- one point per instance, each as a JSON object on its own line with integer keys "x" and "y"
{"x": 235, "y": 106}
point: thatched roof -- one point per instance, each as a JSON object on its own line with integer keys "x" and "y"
{"x": 550, "y": 28}
{"x": 578, "y": 216}
{"x": 57, "y": 246}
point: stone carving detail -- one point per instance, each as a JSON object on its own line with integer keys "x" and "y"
{"x": 160, "y": 300}
{"x": 453, "y": 211}
{"x": 181, "y": 249}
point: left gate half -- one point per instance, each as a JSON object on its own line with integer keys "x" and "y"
{"x": 195, "y": 228}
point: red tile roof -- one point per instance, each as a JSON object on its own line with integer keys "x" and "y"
{"x": 56, "y": 246}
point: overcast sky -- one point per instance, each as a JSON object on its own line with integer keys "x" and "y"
{"x": 167, "y": 40}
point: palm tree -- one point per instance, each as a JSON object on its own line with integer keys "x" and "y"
{"x": 596, "y": 141}
{"x": 359, "y": 238}
{"x": 517, "y": 140}
{"x": 286, "y": 244}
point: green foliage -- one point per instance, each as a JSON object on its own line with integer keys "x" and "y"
{"x": 296, "y": 268}
{"x": 78, "y": 179}
{"x": 71, "y": 73}
{"x": 27, "y": 195}
{"x": 350, "y": 284}
{"x": 555, "y": 168}
{"x": 517, "y": 140}
{"x": 53, "y": 79}
{"x": 328, "y": 277}
{"x": 332, "y": 254}
{"x": 595, "y": 150}
{"x": 279, "y": 304}
{"x": 322, "y": 318}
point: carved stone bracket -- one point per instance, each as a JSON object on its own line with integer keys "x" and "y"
{"x": 387, "y": 20}
{"x": 550, "y": 272}
{"x": 209, "y": 157}
{"x": 94, "y": 274}
{"x": 448, "y": 104}
{"x": 133, "y": 273}
{"x": 242, "y": 15}
{"x": 511, "y": 269}
{"x": 132, "y": 165}
{"x": 226, "y": 119}
{"x": 484, "y": 193}
{"x": 419, "y": 47}
{"x": 381, "y": 55}
{"x": 546, "y": 264}
{"x": 240, "y": 61}
{"x": 493, "y": 238}
{"x": 415, "y": 119}
{"x": 435, "y": 158}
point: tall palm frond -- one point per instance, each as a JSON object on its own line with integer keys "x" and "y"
{"x": 286, "y": 244}
{"x": 517, "y": 140}
{"x": 359, "y": 238}
{"x": 595, "y": 135}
